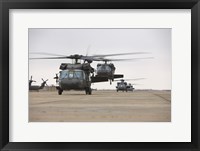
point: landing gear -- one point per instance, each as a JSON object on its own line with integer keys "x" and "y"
{"x": 60, "y": 91}
{"x": 88, "y": 90}
{"x": 111, "y": 80}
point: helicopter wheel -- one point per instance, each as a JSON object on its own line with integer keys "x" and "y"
{"x": 60, "y": 91}
{"x": 88, "y": 91}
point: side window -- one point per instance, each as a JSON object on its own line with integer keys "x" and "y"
{"x": 78, "y": 74}
{"x": 63, "y": 74}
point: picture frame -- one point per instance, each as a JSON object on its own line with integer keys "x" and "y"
{"x": 5, "y": 5}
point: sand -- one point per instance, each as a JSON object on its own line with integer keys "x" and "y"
{"x": 101, "y": 106}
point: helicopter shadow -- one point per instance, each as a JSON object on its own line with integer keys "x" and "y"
{"x": 73, "y": 94}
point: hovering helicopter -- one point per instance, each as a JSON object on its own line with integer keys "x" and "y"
{"x": 108, "y": 69}
{"x": 123, "y": 86}
{"x": 37, "y": 87}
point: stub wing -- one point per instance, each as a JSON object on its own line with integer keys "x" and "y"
{"x": 98, "y": 79}
{"x": 118, "y": 76}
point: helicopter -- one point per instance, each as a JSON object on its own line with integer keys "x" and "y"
{"x": 108, "y": 69}
{"x": 76, "y": 76}
{"x": 130, "y": 87}
{"x": 123, "y": 86}
{"x": 37, "y": 87}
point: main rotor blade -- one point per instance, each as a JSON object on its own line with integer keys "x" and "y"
{"x": 130, "y": 79}
{"x": 134, "y": 79}
{"x": 51, "y": 58}
{"x": 88, "y": 58}
{"x": 128, "y": 59}
{"x": 120, "y": 54}
{"x": 46, "y": 53}
{"x": 76, "y": 56}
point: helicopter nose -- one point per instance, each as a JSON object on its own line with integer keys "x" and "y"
{"x": 71, "y": 83}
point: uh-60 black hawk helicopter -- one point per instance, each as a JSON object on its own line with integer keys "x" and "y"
{"x": 79, "y": 76}
{"x": 123, "y": 86}
{"x": 75, "y": 76}
{"x": 108, "y": 69}
{"x": 37, "y": 87}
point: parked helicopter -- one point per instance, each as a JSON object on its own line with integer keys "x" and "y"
{"x": 75, "y": 76}
{"x": 130, "y": 87}
{"x": 31, "y": 81}
{"x": 123, "y": 86}
{"x": 37, "y": 87}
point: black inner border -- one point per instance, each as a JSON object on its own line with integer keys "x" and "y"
{"x": 5, "y": 5}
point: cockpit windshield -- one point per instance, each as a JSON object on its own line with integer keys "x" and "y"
{"x": 103, "y": 68}
{"x": 73, "y": 74}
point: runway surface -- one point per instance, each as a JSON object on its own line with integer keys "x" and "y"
{"x": 101, "y": 106}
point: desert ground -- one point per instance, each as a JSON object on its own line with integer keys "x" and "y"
{"x": 101, "y": 106}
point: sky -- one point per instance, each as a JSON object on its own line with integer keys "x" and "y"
{"x": 157, "y": 42}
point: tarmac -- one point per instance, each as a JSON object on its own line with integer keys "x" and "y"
{"x": 101, "y": 106}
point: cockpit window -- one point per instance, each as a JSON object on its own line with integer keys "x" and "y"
{"x": 103, "y": 68}
{"x": 78, "y": 74}
{"x": 63, "y": 74}
{"x": 72, "y": 74}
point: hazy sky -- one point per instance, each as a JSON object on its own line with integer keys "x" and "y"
{"x": 157, "y": 71}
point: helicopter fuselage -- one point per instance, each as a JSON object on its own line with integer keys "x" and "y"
{"x": 121, "y": 86}
{"x": 36, "y": 87}
{"x": 73, "y": 79}
{"x": 72, "y": 84}
{"x": 77, "y": 77}
{"x": 105, "y": 70}
{"x": 130, "y": 88}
